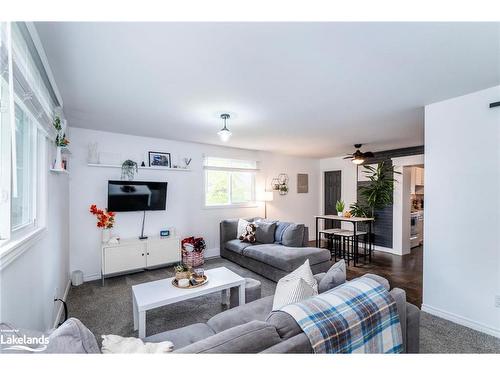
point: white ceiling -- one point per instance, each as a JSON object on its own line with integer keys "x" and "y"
{"x": 310, "y": 89}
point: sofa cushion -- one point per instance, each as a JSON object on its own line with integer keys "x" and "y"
{"x": 293, "y": 235}
{"x": 256, "y": 310}
{"x": 183, "y": 336}
{"x": 252, "y": 337}
{"x": 286, "y": 258}
{"x": 242, "y": 226}
{"x": 265, "y": 232}
{"x": 278, "y": 233}
{"x": 292, "y": 291}
{"x": 335, "y": 276}
{"x": 236, "y": 246}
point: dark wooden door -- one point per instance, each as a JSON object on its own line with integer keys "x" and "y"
{"x": 333, "y": 187}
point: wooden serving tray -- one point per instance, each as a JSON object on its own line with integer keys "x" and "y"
{"x": 175, "y": 283}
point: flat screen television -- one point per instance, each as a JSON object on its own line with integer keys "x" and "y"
{"x": 137, "y": 196}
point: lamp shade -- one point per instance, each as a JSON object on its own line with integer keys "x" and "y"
{"x": 265, "y": 196}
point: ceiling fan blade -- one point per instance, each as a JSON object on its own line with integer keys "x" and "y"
{"x": 368, "y": 154}
{"x": 347, "y": 157}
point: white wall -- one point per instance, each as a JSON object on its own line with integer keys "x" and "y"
{"x": 30, "y": 282}
{"x": 462, "y": 210}
{"x": 185, "y": 209}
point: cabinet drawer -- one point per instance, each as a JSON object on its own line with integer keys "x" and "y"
{"x": 163, "y": 251}
{"x": 124, "y": 258}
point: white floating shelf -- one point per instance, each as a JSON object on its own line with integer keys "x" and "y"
{"x": 148, "y": 168}
{"x": 59, "y": 170}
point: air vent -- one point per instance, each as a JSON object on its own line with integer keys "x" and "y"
{"x": 497, "y": 301}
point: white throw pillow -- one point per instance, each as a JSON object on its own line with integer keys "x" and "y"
{"x": 291, "y": 291}
{"x": 303, "y": 272}
{"x": 242, "y": 225}
{"x": 295, "y": 287}
{"x": 113, "y": 344}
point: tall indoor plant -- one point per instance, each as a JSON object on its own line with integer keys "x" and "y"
{"x": 378, "y": 193}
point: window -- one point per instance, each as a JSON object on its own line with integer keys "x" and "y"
{"x": 23, "y": 172}
{"x": 27, "y": 106}
{"x": 229, "y": 182}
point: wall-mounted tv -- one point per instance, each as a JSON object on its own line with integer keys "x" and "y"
{"x": 137, "y": 196}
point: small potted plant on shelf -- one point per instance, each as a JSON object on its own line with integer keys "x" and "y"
{"x": 340, "y": 206}
{"x": 129, "y": 169}
{"x": 61, "y": 142}
{"x": 105, "y": 221}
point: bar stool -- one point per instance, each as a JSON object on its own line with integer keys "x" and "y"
{"x": 331, "y": 241}
{"x": 349, "y": 244}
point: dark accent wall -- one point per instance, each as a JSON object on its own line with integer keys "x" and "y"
{"x": 383, "y": 223}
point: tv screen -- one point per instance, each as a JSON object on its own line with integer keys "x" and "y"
{"x": 137, "y": 196}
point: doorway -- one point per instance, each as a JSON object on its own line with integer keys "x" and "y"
{"x": 333, "y": 193}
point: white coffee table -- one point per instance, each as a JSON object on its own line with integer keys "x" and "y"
{"x": 159, "y": 293}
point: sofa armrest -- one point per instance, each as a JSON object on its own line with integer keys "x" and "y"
{"x": 228, "y": 231}
{"x": 399, "y": 296}
{"x": 412, "y": 328}
{"x": 379, "y": 279}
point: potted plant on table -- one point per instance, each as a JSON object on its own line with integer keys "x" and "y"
{"x": 340, "y": 206}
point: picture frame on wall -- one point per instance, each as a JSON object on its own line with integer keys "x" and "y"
{"x": 302, "y": 183}
{"x": 159, "y": 159}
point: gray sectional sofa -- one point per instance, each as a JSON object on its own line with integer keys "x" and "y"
{"x": 255, "y": 328}
{"x": 271, "y": 260}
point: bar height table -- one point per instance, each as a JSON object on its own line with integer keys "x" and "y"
{"x": 354, "y": 221}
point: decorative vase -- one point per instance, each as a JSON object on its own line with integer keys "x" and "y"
{"x": 340, "y": 214}
{"x": 106, "y": 235}
{"x": 58, "y": 161}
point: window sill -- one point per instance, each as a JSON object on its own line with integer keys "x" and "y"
{"x": 231, "y": 206}
{"x": 14, "y": 248}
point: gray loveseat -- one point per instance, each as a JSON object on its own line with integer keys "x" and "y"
{"x": 255, "y": 328}
{"x": 271, "y": 260}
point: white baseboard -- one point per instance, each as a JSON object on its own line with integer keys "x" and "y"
{"x": 91, "y": 277}
{"x": 61, "y": 307}
{"x": 466, "y": 322}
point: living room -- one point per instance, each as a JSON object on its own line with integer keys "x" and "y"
{"x": 197, "y": 187}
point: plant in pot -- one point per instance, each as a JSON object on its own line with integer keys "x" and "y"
{"x": 61, "y": 141}
{"x": 357, "y": 210}
{"x": 182, "y": 271}
{"x": 340, "y": 206}
{"x": 129, "y": 169}
{"x": 378, "y": 193}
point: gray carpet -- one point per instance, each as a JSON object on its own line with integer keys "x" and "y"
{"x": 108, "y": 310}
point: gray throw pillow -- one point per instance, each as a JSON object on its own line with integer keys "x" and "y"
{"x": 72, "y": 337}
{"x": 265, "y": 232}
{"x": 293, "y": 235}
{"x": 335, "y": 276}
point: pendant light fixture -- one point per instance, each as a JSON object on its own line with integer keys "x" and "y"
{"x": 224, "y": 133}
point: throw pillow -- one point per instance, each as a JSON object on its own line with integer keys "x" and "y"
{"x": 278, "y": 233}
{"x": 303, "y": 272}
{"x": 291, "y": 291}
{"x": 335, "y": 276}
{"x": 72, "y": 337}
{"x": 265, "y": 232}
{"x": 293, "y": 235}
{"x": 242, "y": 226}
{"x": 113, "y": 344}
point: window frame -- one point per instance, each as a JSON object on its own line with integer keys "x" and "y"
{"x": 230, "y": 170}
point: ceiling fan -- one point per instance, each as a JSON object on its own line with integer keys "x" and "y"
{"x": 359, "y": 157}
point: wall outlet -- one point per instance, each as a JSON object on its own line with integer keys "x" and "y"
{"x": 497, "y": 301}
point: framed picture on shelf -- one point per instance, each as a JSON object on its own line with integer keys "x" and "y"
{"x": 159, "y": 159}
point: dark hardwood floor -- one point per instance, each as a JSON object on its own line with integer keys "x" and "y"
{"x": 404, "y": 272}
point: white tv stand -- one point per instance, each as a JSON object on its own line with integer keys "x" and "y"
{"x": 134, "y": 254}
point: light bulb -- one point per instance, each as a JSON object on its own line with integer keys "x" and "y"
{"x": 224, "y": 134}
